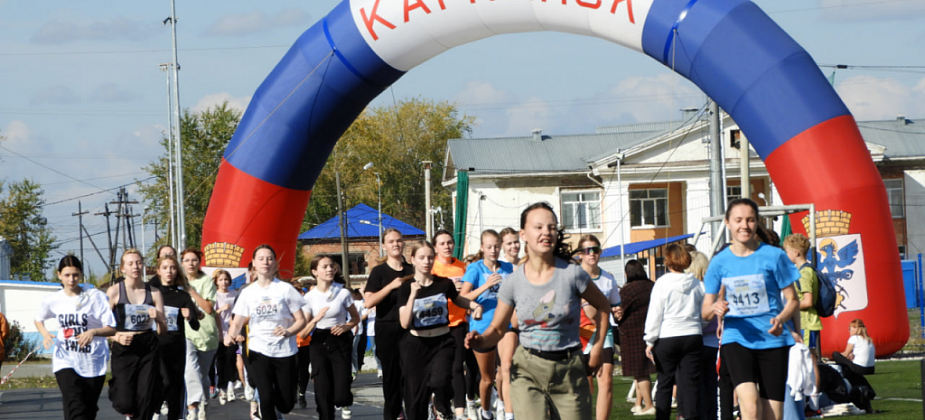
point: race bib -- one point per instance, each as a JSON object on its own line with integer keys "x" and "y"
{"x": 267, "y": 310}
{"x": 137, "y": 318}
{"x": 747, "y": 295}
{"x": 430, "y": 311}
{"x": 172, "y": 313}
{"x": 492, "y": 292}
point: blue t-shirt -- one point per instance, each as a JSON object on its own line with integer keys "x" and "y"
{"x": 477, "y": 274}
{"x": 753, "y": 290}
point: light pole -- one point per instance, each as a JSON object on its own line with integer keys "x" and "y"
{"x": 379, "y": 187}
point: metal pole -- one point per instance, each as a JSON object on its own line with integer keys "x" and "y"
{"x": 717, "y": 194}
{"x": 343, "y": 229}
{"x": 379, "y": 184}
{"x": 622, "y": 216}
{"x": 181, "y": 210}
{"x": 743, "y": 164}
{"x": 80, "y": 224}
{"x": 172, "y": 227}
{"x": 428, "y": 223}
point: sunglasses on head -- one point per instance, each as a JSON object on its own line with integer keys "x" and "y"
{"x": 591, "y": 250}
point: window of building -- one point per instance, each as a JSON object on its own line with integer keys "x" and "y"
{"x": 649, "y": 208}
{"x": 581, "y": 210}
{"x": 894, "y": 192}
{"x": 733, "y": 193}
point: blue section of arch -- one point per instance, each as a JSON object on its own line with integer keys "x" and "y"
{"x": 309, "y": 99}
{"x": 743, "y": 60}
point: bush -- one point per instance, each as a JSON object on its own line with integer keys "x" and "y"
{"x": 17, "y": 346}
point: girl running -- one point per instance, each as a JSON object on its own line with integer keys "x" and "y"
{"x": 201, "y": 344}
{"x": 81, "y": 352}
{"x": 589, "y": 251}
{"x": 754, "y": 343}
{"x": 547, "y": 373}
{"x": 510, "y": 244}
{"x": 178, "y": 307}
{"x": 137, "y": 307}
{"x": 225, "y": 357}
{"x": 272, "y": 309}
{"x": 481, "y": 283}
{"x": 332, "y": 342}
{"x": 382, "y": 293}
{"x": 428, "y": 346}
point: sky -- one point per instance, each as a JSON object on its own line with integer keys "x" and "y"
{"x": 83, "y": 103}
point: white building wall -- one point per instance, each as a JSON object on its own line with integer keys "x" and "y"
{"x": 496, "y": 208}
{"x": 697, "y": 208}
{"x": 20, "y": 301}
{"x": 914, "y": 192}
{"x": 614, "y": 223}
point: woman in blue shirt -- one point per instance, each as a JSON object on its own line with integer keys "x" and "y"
{"x": 753, "y": 277}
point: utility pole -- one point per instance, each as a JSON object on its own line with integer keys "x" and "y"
{"x": 717, "y": 192}
{"x": 172, "y": 228}
{"x": 124, "y": 216}
{"x": 342, "y": 217}
{"x": 109, "y": 238}
{"x": 429, "y": 222}
{"x": 80, "y": 227}
{"x": 181, "y": 209}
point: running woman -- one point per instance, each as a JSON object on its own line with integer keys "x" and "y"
{"x": 137, "y": 306}
{"x": 755, "y": 344}
{"x": 382, "y": 293}
{"x": 329, "y": 304}
{"x": 589, "y": 251}
{"x": 546, "y": 291}
{"x": 201, "y": 344}
{"x": 272, "y": 309}
{"x": 481, "y": 283}
{"x": 428, "y": 346}
{"x": 510, "y": 244}
{"x": 225, "y": 357}
{"x": 178, "y": 307}
{"x": 81, "y": 352}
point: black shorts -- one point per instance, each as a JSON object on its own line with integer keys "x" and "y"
{"x": 606, "y": 357}
{"x": 766, "y": 368}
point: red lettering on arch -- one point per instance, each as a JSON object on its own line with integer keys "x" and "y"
{"x": 442, "y": 6}
{"x": 374, "y": 17}
{"x": 589, "y": 4}
{"x": 418, "y": 4}
{"x": 629, "y": 8}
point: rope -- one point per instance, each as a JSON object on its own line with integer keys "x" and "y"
{"x": 7, "y": 377}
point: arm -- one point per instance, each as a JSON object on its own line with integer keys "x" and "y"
{"x": 654, "y": 317}
{"x": 158, "y": 314}
{"x": 299, "y": 322}
{"x": 463, "y": 302}
{"x": 849, "y": 351}
{"x": 467, "y": 291}
{"x": 310, "y": 325}
{"x": 48, "y": 340}
{"x": 234, "y": 333}
{"x": 494, "y": 332}
{"x": 792, "y": 305}
{"x": 354, "y": 320}
{"x": 597, "y": 299}
{"x": 714, "y": 305}
{"x": 191, "y": 314}
{"x": 371, "y": 299}
{"x": 203, "y": 303}
{"x": 405, "y": 312}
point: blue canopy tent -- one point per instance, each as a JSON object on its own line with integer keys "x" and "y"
{"x": 362, "y": 222}
{"x": 637, "y": 247}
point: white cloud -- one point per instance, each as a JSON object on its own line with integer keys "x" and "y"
{"x": 102, "y": 30}
{"x": 17, "y": 135}
{"x": 873, "y": 98}
{"x": 111, "y": 92}
{"x": 257, "y": 21}
{"x": 867, "y": 10}
{"x": 214, "y": 99}
{"x": 55, "y": 95}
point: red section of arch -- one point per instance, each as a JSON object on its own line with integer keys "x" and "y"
{"x": 248, "y": 212}
{"x": 829, "y": 165}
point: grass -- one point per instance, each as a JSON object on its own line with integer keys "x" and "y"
{"x": 31, "y": 382}
{"x": 893, "y": 380}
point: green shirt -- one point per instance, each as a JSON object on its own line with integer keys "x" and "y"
{"x": 809, "y": 319}
{"x": 206, "y": 338}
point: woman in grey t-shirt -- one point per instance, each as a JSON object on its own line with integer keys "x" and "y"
{"x": 546, "y": 290}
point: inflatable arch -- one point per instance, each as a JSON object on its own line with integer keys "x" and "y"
{"x": 731, "y": 49}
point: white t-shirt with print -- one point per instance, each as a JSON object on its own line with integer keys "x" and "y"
{"x": 76, "y": 314}
{"x": 337, "y": 299}
{"x": 268, "y": 308}
{"x": 608, "y": 286}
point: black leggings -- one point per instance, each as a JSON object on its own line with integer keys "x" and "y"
{"x": 331, "y": 368}
{"x": 303, "y": 358}
{"x": 225, "y": 366}
{"x": 276, "y": 381}
{"x": 709, "y": 384}
{"x": 431, "y": 358}
{"x": 173, "y": 367}
{"x": 133, "y": 389}
{"x": 465, "y": 384}
{"x": 388, "y": 336}
{"x": 79, "y": 395}
{"x": 677, "y": 360}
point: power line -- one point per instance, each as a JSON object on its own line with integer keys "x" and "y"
{"x": 51, "y": 169}
{"x": 98, "y": 192}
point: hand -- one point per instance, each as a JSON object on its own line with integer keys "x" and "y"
{"x": 649, "y": 354}
{"x": 152, "y": 312}
{"x": 477, "y": 313}
{"x": 123, "y": 339}
{"x": 200, "y": 314}
{"x": 777, "y": 327}
{"x": 322, "y": 312}
{"x": 48, "y": 341}
{"x": 184, "y": 312}
{"x": 493, "y": 279}
{"x": 415, "y": 287}
{"x": 340, "y": 329}
{"x": 279, "y": 331}
{"x": 797, "y": 337}
{"x": 594, "y": 361}
{"x": 227, "y": 307}
{"x": 85, "y": 338}
{"x": 720, "y": 307}
{"x": 617, "y": 312}
{"x": 229, "y": 340}
{"x": 395, "y": 284}
{"x": 473, "y": 340}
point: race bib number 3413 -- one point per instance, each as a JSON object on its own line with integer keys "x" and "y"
{"x": 747, "y": 295}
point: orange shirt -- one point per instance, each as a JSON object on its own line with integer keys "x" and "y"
{"x": 454, "y": 271}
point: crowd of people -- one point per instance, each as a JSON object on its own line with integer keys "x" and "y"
{"x": 503, "y": 334}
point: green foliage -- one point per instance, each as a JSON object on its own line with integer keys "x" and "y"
{"x": 204, "y": 136}
{"x": 17, "y": 346}
{"x": 396, "y": 139}
{"x": 22, "y": 224}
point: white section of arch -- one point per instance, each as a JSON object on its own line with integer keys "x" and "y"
{"x": 405, "y": 33}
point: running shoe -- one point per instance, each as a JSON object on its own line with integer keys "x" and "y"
{"x": 255, "y": 411}
{"x": 238, "y": 385}
{"x": 164, "y": 409}
{"x": 499, "y": 409}
{"x": 248, "y": 392}
{"x": 213, "y": 393}
{"x": 230, "y": 393}
{"x": 302, "y": 402}
{"x": 472, "y": 410}
{"x": 192, "y": 415}
{"x": 379, "y": 374}
{"x": 346, "y": 413}
{"x": 221, "y": 397}
{"x": 202, "y": 413}
{"x": 649, "y": 412}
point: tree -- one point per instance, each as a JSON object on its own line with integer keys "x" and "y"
{"x": 204, "y": 135}
{"x": 22, "y": 224}
{"x": 396, "y": 139}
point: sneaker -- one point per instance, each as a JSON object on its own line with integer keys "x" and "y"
{"x": 164, "y": 409}
{"x": 248, "y": 393}
{"x": 472, "y": 410}
{"x": 238, "y": 385}
{"x": 213, "y": 393}
{"x": 346, "y": 413}
{"x": 636, "y": 409}
{"x": 229, "y": 394}
{"x": 192, "y": 414}
{"x": 674, "y": 402}
{"x": 156, "y": 416}
{"x": 379, "y": 374}
{"x": 499, "y": 409}
{"x": 649, "y": 412}
{"x": 202, "y": 413}
{"x": 486, "y": 414}
{"x": 255, "y": 411}
{"x": 302, "y": 402}
{"x": 221, "y": 397}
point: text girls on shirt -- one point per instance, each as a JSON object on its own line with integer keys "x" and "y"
{"x": 337, "y": 299}
{"x": 429, "y": 309}
{"x": 267, "y": 309}
{"x": 75, "y": 315}
{"x": 477, "y": 275}
{"x": 549, "y": 314}
{"x": 753, "y": 289}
